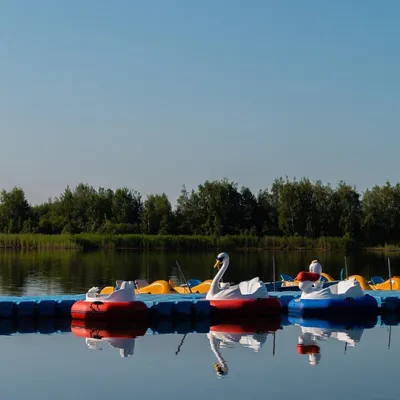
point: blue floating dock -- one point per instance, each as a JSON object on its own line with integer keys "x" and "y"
{"x": 162, "y": 307}
{"x": 51, "y": 326}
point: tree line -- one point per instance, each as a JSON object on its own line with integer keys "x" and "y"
{"x": 216, "y": 208}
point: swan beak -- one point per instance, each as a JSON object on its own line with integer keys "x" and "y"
{"x": 217, "y": 264}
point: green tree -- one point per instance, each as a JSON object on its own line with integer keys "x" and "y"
{"x": 157, "y": 217}
{"x": 15, "y": 212}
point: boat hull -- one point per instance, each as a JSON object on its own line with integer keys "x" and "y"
{"x": 103, "y": 311}
{"x": 102, "y": 330}
{"x": 333, "y": 307}
{"x": 246, "y": 326}
{"x": 246, "y": 308}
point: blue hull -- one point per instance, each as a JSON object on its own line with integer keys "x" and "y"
{"x": 317, "y": 308}
{"x": 279, "y": 288}
{"x": 346, "y": 323}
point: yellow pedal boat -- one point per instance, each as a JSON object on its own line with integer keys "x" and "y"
{"x": 369, "y": 285}
{"x": 143, "y": 287}
{"x": 201, "y": 288}
{"x": 164, "y": 287}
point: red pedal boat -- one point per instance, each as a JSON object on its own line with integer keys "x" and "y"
{"x": 248, "y": 298}
{"x": 119, "y": 305}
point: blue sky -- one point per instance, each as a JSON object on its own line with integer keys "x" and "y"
{"x": 155, "y": 94}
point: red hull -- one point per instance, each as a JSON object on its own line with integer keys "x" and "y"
{"x": 308, "y": 349}
{"x": 99, "y": 331}
{"x": 270, "y": 324}
{"x": 99, "y": 311}
{"x": 247, "y": 308}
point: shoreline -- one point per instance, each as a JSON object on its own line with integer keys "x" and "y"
{"x": 140, "y": 242}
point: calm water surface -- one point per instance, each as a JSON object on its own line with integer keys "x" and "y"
{"x": 32, "y": 273}
{"x": 171, "y": 366}
{"x": 62, "y": 366}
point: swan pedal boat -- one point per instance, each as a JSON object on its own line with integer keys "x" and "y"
{"x": 164, "y": 287}
{"x": 121, "y": 305}
{"x": 345, "y": 297}
{"x": 248, "y": 298}
{"x": 196, "y": 287}
{"x": 141, "y": 286}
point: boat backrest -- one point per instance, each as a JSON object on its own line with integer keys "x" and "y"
{"x": 286, "y": 278}
{"x": 127, "y": 285}
{"x": 141, "y": 283}
{"x": 193, "y": 282}
{"x": 376, "y": 280}
{"x": 125, "y": 293}
{"x": 93, "y": 292}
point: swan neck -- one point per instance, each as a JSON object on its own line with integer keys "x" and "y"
{"x": 214, "y": 287}
{"x": 215, "y": 346}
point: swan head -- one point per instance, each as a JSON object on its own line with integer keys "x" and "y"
{"x": 220, "y": 259}
{"x": 307, "y": 281}
{"x": 315, "y": 267}
{"x": 314, "y": 359}
{"x": 306, "y": 286}
{"x": 221, "y": 371}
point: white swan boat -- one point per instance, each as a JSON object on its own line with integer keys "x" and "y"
{"x": 247, "y": 298}
{"x": 343, "y": 297}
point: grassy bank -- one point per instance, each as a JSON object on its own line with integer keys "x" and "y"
{"x": 168, "y": 242}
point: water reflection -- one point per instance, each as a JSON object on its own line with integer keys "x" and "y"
{"x": 310, "y": 340}
{"x": 226, "y": 356}
{"x": 250, "y": 334}
{"x": 59, "y": 272}
{"x": 313, "y": 333}
{"x": 97, "y": 335}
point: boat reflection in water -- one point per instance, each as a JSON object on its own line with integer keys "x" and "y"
{"x": 251, "y": 334}
{"x": 314, "y": 331}
{"x": 122, "y": 338}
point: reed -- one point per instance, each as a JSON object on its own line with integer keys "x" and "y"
{"x": 169, "y": 242}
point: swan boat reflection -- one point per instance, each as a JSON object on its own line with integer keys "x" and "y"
{"x": 252, "y": 334}
{"x": 308, "y": 342}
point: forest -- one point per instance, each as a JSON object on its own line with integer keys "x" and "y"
{"x": 288, "y": 208}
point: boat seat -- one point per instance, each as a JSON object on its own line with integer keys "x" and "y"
{"x": 287, "y": 278}
{"x": 107, "y": 290}
{"x": 376, "y": 280}
{"x": 140, "y": 283}
{"x": 124, "y": 293}
{"x": 93, "y": 292}
{"x": 193, "y": 282}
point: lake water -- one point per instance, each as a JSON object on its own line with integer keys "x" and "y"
{"x": 31, "y": 273}
{"x": 170, "y": 366}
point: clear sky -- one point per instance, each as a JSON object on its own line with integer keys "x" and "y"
{"x": 154, "y": 94}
